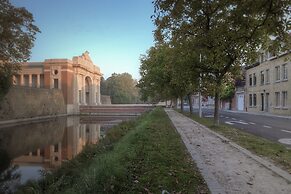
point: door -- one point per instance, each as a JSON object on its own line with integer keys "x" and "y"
{"x": 267, "y": 102}
{"x": 240, "y": 102}
{"x": 262, "y": 102}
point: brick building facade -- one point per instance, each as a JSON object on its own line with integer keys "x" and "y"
{"x": 79, "y": 79}
{"x": 268, "y": 85}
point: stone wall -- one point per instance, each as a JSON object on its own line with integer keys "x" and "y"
{"x": 25, "y": 102}
{"x": 105, "y": 99}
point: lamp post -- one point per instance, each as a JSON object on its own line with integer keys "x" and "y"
{"x": 199, "y": 93}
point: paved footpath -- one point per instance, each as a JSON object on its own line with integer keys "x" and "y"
{"x": 225, "y": 166}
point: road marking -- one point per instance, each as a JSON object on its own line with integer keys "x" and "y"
{"x": 233, "y": 118}
{"x": 233, "y": 122}
{"x": 252, "y": 123}
{"x": 285, "y": 141}
{"x": 227, "y": 117}
{"x": 209, "y": 116}
{"x": 286, "y": 131}
{"x": 266, "y": 126}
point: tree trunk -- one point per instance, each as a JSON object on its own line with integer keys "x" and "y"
{"x": 216, "y": 106}
{"x": 175, "y": 104}
{"x": 190, "y": 104}
{"x": 182, "y": 104}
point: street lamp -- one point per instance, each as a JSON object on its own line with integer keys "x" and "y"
{"x": 199, "y": 93}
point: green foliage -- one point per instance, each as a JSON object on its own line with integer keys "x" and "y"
{"x": 226, "y": 33}
{"x": 167, "y": 72}
{"x": 143, "y": 156}
{"x": 227, "y": 88}
{"x": 17, "y": 33}
{"x": 121, "y": 88}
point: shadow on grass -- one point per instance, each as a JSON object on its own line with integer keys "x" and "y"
{"x": 141, "y": 156}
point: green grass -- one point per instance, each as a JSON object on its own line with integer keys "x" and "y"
{"x": 275, "y": 152}
{"x": 142, "y": 156}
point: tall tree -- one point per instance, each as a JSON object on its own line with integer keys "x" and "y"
{"x": 17, "y": 34}
{"x": 227, "y": 33}
{"x": 121, "y": 88}
{"x": 167, "y": 73}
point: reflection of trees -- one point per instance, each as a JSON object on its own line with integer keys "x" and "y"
{"x": 8, "y": 175}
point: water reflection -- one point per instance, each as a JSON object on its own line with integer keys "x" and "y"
{"x": 26, "y": 150}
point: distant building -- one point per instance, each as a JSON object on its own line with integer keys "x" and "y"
{"x": 79, "y": 79}
{"x": 237, "y": 103}
{"x": 268, "y": 84}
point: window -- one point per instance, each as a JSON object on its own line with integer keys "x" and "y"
{"x": 34, "y": 81}
{"x": 277, "y": 73}
{"x": 250, "y": 100}
{"x": 262, "y": 77}
{"x": 284, "y": 72}
{"x": 80, "y": 96}
{"x": 56, "y": 83}
{"x": 267, "y": 76}
{"x": 284, "y": 99}
{"x": 56, "y": 148}
{"x": 41, "y": 79}
{"x": 277, "y": 99}
{"x": 255, "y": 100}
{"x": 250, "y": 80}
{"x": 26, "y": 80}
{"x": 262, "y": 57}
{"x": 255, "y": 80}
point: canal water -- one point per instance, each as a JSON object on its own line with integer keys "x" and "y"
{"x": 27, "y": 150}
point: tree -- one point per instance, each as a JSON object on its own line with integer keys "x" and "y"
{"x": 227, "y": 33}
{"x": 17, "y": 34}
{"x": 167, "y": 73}
{"x": 121, "y": 88}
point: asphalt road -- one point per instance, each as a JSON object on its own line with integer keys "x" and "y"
{"x": 270, "y": 127}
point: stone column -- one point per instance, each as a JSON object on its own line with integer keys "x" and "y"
{"x": 30, "y": 80}
{"x": 83, "y": 90}
{"x": 38, "y": 81}
{"x": 99, "y": 94}
{"x": 21, "y": 80}
{"x": 94, "y": 93}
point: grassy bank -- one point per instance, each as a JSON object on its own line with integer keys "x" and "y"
{"x": 273, "y": 151}
{"x": 142, "y": 156}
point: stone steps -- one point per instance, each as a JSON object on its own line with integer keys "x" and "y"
{"x": 115, "y": 110}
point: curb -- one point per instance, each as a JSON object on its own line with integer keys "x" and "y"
{"x": 259, "y": 114}
{"x": 29, "y": 120}
{"x": 258, "y": 159}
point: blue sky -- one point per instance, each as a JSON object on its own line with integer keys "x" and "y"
{"x": 115, "y": 32}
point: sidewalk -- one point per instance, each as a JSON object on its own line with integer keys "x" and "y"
{"x": 225, "y": 166}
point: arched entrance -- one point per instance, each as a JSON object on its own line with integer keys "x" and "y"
{"x": 88, "y": 90}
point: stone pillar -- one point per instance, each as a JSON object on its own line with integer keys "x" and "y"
{"x": 94, "y": 101}
{"x": 30, "y": 80}
{"x": 38, "y": 81}
{"x": 83, "y": 90}
{"x": 21, "y": 80}
{"x": 99, "y": 94}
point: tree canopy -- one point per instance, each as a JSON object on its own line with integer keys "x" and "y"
{"x": 17, "y": 34}
{"x": 226, "y": 33}
{"x": 167, "y": 73}
{"x": 121, "y": 88}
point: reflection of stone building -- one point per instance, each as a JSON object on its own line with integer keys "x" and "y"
{"x": 75, "y": 137}
{"x": 79, "y": 79}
